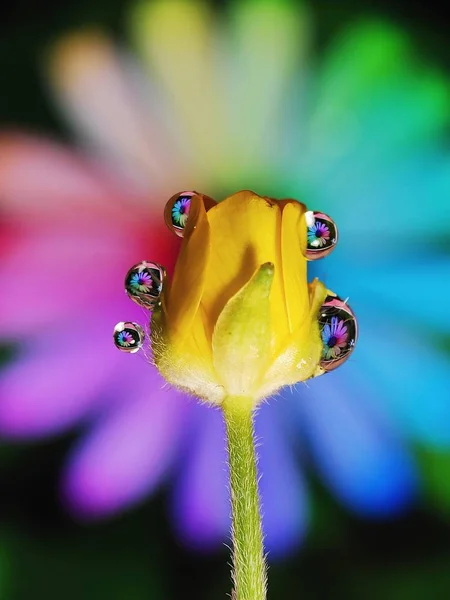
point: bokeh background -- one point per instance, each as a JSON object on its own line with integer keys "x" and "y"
{"x": 110, "y": 490}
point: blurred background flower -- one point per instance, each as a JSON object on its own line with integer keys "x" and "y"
{"x": 219, "y": 102}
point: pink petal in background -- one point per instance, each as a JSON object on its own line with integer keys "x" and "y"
{"x": 63, "y": 273}
{"x": 41, "y": 180}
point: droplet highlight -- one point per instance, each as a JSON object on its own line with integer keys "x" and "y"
{"x": 128, "y": 336}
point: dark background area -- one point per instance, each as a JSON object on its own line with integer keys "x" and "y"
{"x": 138, "y": 550}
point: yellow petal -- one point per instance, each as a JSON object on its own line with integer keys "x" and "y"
{"x": 245, "y": 233}
{"x": 186, "y": 364}
{"x": 184, "y": 294}
{"x": 300, "y": 357}
{"x": 293, "y": 251}
{"x": 242, "y": 336}
{"x": 181, "y": 348}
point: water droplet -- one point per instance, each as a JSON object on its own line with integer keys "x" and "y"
{"x": 128, "y": 336}
{"x": 176, "y": 213}
{"x": 144, "y": 283}
{"x": 322, "y": 235}
{"x": 338, "y": 330}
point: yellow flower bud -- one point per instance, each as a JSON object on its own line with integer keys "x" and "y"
{"x": 239, "y": 317}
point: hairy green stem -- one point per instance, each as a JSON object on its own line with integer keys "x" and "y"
{"x": 249, "y": 567}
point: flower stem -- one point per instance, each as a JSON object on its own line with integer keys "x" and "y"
{"x": 249, "y": 567}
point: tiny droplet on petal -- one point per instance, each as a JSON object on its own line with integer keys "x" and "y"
{"x": 128, "y": 336}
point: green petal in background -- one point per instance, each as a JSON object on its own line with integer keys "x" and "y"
{"x": 367, "y": 71}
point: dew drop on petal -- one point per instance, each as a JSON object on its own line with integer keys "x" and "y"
{"x": 339, "y": 332}
{"x": 322, "y": 235}
{"x": 176, "y": 212}
{"x": 128, "y": 336}
{"x": 144, "y": 283}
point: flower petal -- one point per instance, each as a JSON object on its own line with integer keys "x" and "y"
{"x": 401, "y": 287}
{"x": 399, "y": 199}
{"x": 41, "y": 181}
{"x": 201, "y": 507}
{"x": 186, "y": 290}
{"x": 58, "y": 381}
{"x": 395, "y": 353}
{"x": 49, "y": 274}
{"x": 293, "y": 252}
{"x": 384, "y": 80}
{"x": 266, "y": 44}
{"x": 241, "y": 341}
{"x": 126, "y": 454}
{"x": 177, "y": 40}
{"x": 358, "y": 455}
{"x": 98, "y": 90}
{"x": 245, "y": 233}
{"x": 410, "y": 376}
{"x": 180, "y": 342}
{"x": 282, "y": 488}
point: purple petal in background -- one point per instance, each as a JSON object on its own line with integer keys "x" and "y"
{"x": 201, "y": 509}
{"x": 127, "y": 453}
{"x": 47, "y": 389}
{"x": 201, "y": 505}
{"x": 284, "y": 503}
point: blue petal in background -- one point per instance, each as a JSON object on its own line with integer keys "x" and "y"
{"x": 356, "y": 453}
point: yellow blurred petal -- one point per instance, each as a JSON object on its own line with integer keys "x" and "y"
{"x": 293, "y": 251}
{"x": 242, "y": 336}
{"x": 189, "y": 277}
{"x": 177, "y": 39}
{"x": 245, "y": 233}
